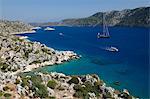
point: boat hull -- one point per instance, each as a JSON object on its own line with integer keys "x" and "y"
{"x": 103, "y": 36}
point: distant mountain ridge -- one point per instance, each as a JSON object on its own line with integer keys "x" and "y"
{"x": 128, "y": 17}
{"x": 134, "y": 17}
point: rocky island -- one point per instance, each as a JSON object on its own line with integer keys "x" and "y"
{"x": 21, "y": 55}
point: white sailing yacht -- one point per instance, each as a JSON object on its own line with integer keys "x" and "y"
{"x": 105, "y": 33}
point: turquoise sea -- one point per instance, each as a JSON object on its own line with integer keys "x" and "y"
{"x": 129, "y": 66}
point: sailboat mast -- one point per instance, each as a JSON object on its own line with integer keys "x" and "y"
{"x": 103, "y": 25}
{"x": 105, "y": 29}
{"x": 105, "y": 32}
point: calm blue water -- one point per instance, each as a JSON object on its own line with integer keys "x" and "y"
{"x": 129, "y": 66}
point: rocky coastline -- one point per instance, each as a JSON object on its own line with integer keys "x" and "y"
{"x": 20, "y": 55}
{"x": 58, "y": 86}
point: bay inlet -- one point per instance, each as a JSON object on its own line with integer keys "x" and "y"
{"x": 129, "y": 66}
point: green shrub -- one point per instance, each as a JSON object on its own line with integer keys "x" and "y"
{"x": 35, "y": 62}
{"x": 1, "y": 93}
{"x": 78, "y": 94}
{"x": 14, "y": 69}
{"x": 27, "y": 53}
{"x": 88, "y": 86}
{"x": 36, "y": 79}
{"x": 41, "y": 91}
{"x": 108, "y": 95}
{"x": 99, "y": 83}
{"x": 78, "y": 88}
{"x": 51, "y": 97}
{"x": 17, "y": 48}
{"x": 52, "y": 84}
{"x": 7, "y": 95}
{"x": 92, "y": 88}
{"x": 25, "y": 82}
{"x": 74, "y": 80}
{"x": 3, "y": 66}
{"x": 37, "y": 52}
{"x": 83, "y": 90}
{"x": 17, "y": 81}
{"x": 129, "y": 97}
{"x": 95, "y": 76}
{"x": 46, "y": 50}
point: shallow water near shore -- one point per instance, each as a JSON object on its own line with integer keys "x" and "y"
{"x": 129, "y": 66}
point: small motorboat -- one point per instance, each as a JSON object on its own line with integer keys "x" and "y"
{"x": 36, "y": 28}
{"x": 112, "y": 49}
{"x": 49, "y": 29}
{"x": 61, "y": 34}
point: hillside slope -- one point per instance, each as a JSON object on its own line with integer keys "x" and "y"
{"x": 127, "y": 17}
{"x": 14, "y": 26}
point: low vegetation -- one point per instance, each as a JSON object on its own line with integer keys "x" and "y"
{"x": 74, "y": 80}
{"x": 52, "y": 84}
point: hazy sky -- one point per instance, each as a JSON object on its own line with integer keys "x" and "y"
{"x": 55, "y": 10}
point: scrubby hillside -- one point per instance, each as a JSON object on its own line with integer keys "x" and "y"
{"x": 14, "y": 26}
{"x": 128, "y": 17}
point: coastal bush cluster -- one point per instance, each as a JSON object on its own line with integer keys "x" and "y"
{"x": 83, "y": 90}
{"x": 74, "y": 80}
{"x": 35, "y": 84}
{"x": 52, "y": 84}
{"x": 40, "y": 90}
{"x": 44, "y": 86}
{"x": 6, "y": 95}
{"x": 3, "y": 67}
